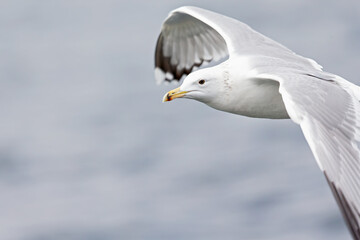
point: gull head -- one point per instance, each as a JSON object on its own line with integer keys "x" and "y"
{"x": 205, "y": 85}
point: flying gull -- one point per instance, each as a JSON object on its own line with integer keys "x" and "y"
{"x": 261, "y": 78}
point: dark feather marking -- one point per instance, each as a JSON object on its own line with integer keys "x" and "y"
{"x": 348, "y": 211}
{"x": 159, "y": 51}
{"x": 325, "y": 79}
{"x": 161, "y": 61}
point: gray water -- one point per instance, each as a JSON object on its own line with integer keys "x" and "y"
{"x": 88, "y": 151}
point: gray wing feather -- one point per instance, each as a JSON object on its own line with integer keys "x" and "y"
{"x": 184, "y": 43}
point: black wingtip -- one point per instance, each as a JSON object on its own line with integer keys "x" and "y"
{"x": 164, "y": 63}
{"x": 348, "y": 210}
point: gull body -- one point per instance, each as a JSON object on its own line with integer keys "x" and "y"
{"x": 262, "y": 78}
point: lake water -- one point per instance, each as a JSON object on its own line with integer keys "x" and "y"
{"x": 88, "y": 151}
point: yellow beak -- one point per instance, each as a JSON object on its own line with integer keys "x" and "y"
{"x": 175, "y": 93}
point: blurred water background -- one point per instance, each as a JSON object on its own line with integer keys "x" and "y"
{"x": 88, "y": 151}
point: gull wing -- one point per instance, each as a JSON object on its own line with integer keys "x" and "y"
{"x": 328, "y": 111}
{"x": 191, "y": 36}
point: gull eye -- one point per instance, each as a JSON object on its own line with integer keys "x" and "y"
{"x": 202, "y": 81}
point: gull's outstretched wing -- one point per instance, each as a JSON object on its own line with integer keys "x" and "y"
{"x": 191, "y": 36}
{"x": 328, "y": 111}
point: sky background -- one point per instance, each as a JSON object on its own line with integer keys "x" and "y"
{"x": 88, "y": 151}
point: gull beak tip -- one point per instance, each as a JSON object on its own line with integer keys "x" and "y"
{"x": 175, "y": 93}
{"x": 166, "y": 98}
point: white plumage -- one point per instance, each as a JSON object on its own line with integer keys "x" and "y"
{"x": 262, "y": 78}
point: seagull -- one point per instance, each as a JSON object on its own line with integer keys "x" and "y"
{"x": 261, "y": 78}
